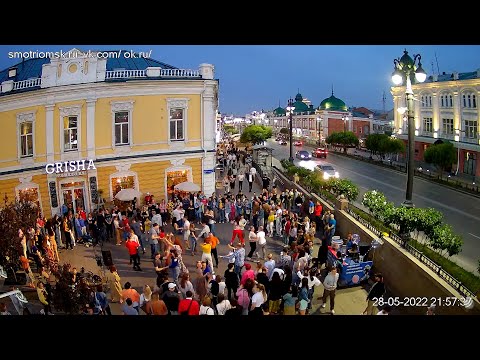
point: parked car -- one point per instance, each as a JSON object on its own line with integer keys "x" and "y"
{"x": 303, "y": 155}
{"x": 320, "y": 152}
{"x": 328, "y": 171}
{"x": 282, "y": 142}
{"x": 298, "y": 143}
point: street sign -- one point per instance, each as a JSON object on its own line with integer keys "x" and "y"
{"x": 208, "y": 171}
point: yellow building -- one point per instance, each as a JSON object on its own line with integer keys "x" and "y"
{"x": 93, "y": 123}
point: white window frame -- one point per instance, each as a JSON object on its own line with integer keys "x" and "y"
{"x": 120, "y": 174}
{"x": 469, "y": 99}
{"x": 452, "y": 127}
{"x": 122, "y": 106}
{"x": 23, "y": 118}
{"x": 427, "y": 121}
{"x": 471, "y": 124}
{"x": 74, "y": 110}
{"x": 178, "y": 103}
{"x": 177, "y": 167}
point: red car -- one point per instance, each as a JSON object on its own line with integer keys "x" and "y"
{"x": 320, "y": 152}
{"x": 298, "y": 143}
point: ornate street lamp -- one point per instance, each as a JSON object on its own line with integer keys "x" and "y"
{"x": 405, "y": 69}
{"x": 290, "y": 109}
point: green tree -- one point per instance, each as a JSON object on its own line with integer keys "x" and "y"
{"x": 372, "y": 143}
{"x": 19, "y": 214}
{"x": 230, "y": 129}
{"x": 256, "y": 134}
{"x": 441, "y": 155}
{"x": 284, "y": 131}
{"x": 343, "y": 139}
{"x": 389, "y": 145}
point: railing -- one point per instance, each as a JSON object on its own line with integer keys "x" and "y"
{"x": 179, "y": 73}
{"x": 27, "y": 83}
{"x": 432, "y": 265}
{"x": 123, "y": 74}
{"x": 128, "y": 74}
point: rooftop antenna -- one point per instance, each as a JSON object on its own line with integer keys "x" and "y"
{"x": 436, "y": 59}
{"x": 332, "y": 89}
{"x": 433, "y": 69}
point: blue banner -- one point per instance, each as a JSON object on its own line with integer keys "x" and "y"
{"x": 354, "y": 273}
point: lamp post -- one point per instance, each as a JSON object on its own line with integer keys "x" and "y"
{"x": 290, "y": 109}
{"x": 405, "y": 68}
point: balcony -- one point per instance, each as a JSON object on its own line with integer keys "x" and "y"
{"x": 165, "y": 73}
{"x": 27, "y": 83}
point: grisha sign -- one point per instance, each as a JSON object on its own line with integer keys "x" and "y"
{"x": 70, "y": 166}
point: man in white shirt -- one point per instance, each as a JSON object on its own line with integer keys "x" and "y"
{"x": 156, "y": 218}
{"x": 186, "y": 232}
{"x": 278, "y": 221}
{"x": 242, "y": 222}
{"x": 178, "y": 213}
{"x": 261, "y": 242}
{"x": 205, "y": 230}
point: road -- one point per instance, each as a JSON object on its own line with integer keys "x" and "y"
{"x": 460, "y": 210}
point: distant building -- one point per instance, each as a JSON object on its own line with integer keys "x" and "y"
{"x": 332, "y": 115}
{"x": 446, "y": 109}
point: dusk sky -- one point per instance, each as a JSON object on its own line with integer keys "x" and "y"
{"x": 256, "y": 77}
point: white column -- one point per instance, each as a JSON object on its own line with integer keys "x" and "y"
{"x": 208, "y": 176}
{"x": 209, "y": 118}
{"x": 49, "y": 135}
{"x": 435, "y": 113}
{"x": 91, "y": 128}
{"x": 456, "y": 112}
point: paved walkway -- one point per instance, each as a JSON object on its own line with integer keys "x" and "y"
{"x": 348, "y": 301}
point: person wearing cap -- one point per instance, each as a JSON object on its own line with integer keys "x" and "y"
{"x": 171, "y": 298}
{"x": 249, "y": 273}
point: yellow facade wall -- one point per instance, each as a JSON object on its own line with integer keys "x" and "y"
{"x": 103, "y": 179}
{"x": 7, "y": 187}
{"x": 149, "y": 122}
{"x": 41, "y": 180}
{"x": 8, "y": 120}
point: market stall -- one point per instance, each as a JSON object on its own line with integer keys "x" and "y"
{"x": 352, "y": 268}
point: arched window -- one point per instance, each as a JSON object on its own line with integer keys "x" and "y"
{"x": 469, "y": 100}
{"x": 450, "y": 100}
{"x": 442, "y": 101}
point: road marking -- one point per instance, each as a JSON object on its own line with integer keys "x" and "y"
{"x": 478, "y": 237}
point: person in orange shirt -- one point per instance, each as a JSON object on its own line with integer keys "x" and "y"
{"x": 129, "y": 292}
{"x": 214, "y": 241}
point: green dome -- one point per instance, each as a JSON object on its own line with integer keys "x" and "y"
{"x": 333, "y": 103}
{"x": 279, "y": 111}
{"x": 300, "y": 106}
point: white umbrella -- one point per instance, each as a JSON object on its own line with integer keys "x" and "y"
{"x": 187, "y": 186}
{"x": 127, "y": 194}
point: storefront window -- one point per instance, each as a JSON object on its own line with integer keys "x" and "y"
{"x": 29, "y": 194}
{"x": 124, "y": 182}
{"x": 174, "y": 178}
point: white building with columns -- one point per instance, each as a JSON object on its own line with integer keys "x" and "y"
{"x": 446, "y": 109}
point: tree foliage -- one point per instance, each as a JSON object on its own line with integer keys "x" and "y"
{"x": 343, "y": 139}
{"x": 256, "y": 134}
{"x": 441, "y": 155}
{"x": 230, "y": 129}
{"x": 19, "y": 214}
{"x": 381, "y": 144}
{"x": 284, "y": 131}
